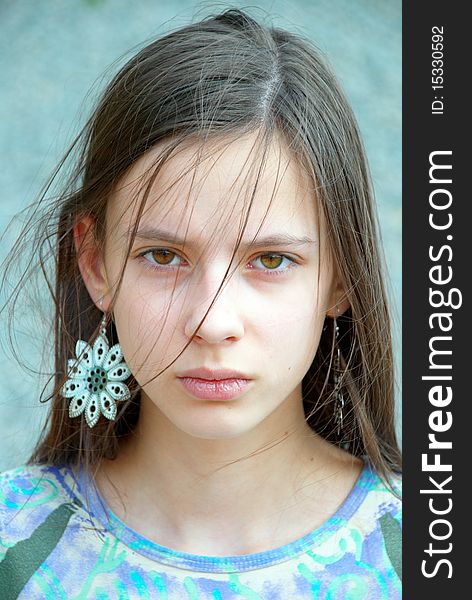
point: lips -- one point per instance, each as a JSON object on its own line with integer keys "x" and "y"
{"x": 214, "y": 384}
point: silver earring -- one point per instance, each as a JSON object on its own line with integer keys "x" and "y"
{"x": 95, "y": 379}
{"x": 338, "y": 397}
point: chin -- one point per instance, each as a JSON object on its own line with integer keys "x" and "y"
{"x": 218, "y": 428}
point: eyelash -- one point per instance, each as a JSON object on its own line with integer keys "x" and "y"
{"x": 271, "y": 272}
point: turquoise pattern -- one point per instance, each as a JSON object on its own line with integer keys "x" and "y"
{"x": 85, "y": 551}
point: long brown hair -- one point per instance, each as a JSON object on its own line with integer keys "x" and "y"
{"x": 222, "y": 77}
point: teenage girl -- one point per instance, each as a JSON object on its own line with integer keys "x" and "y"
{"x": 221, "y": 422}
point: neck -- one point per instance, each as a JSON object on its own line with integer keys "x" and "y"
{"x": 191, "y": 493}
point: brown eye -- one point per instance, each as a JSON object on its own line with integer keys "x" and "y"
{"x": 163, "y": 256}
{"x": 271, "y": 261}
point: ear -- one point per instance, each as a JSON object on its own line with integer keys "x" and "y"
{"x": 339, "y": 301}
{"x": 91, "y": 265}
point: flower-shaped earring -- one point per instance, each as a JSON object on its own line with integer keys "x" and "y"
{"x": 95, "y": 379}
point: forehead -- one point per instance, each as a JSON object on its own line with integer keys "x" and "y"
{"x": 216, "y": 188}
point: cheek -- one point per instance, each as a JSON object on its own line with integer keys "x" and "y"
{"x": 295, "y": 337}
{"x": 147, "y": 323}
{"x": 292, "y": 323}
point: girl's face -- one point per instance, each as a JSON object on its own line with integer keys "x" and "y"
{"x": 248, "y": 358}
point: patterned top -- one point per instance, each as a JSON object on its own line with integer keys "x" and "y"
{"x": 59, "y": 540}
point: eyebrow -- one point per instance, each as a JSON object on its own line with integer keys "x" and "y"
{"x": 281, "y": 239}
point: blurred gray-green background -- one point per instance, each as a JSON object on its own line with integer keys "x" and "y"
{"x": 52, "y": 52}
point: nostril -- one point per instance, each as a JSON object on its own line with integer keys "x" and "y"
{"x": 216, "y": 331}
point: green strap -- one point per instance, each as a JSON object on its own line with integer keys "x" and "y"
{"x": 392, "y": 534}
{"x": 23, "y": 559}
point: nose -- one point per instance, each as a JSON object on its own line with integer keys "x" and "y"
{"x": 224, "y": 322}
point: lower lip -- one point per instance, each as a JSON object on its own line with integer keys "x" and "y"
{"x": 217, "y": 389}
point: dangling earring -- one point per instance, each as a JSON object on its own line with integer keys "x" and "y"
{"x": 95, "y": 379}
{"x": 338, "y": 395}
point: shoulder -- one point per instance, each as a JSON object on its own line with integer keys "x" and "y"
{"x": 38, "y": 506}
{"x": 376, "y": 520}
{"x": 391, "y": 487}
{"x": 28, "y": 481}
{"x": 29, "y": 494}
{"x": 377, "y": 515}
{"x": 382, "y": 497}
